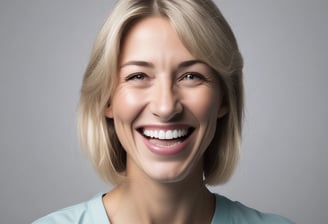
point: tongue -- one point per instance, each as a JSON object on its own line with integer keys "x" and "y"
{"x": 165, "y": 143}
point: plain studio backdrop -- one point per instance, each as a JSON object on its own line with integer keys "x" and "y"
{"x": 44, "y": 49}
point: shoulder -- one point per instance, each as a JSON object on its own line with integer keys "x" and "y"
{"x": 72, "y": 214}
{"x": 236, "y": 212}
{"x": 87, "y": 212}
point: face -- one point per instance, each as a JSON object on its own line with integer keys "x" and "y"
{"x": 165, "y": 105}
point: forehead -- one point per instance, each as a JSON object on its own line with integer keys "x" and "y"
{"x": 153, "y": 37}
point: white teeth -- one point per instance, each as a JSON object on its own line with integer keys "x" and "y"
{"x": 161, "y": 135}
{"x": 165, "y": 134}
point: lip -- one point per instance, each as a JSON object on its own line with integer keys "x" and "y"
{"x": 166, "y": 147}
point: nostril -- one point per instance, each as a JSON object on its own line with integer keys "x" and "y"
{"x": 166, "y": 110}
{"x": 168, "y": 113}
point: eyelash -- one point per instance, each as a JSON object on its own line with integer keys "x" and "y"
{"x": 136, "y": 76}
{"x": 194, "y": 75}
{"x": 191, "y": 76}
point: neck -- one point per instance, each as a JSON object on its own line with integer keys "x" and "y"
{"x": 148, "y": 201}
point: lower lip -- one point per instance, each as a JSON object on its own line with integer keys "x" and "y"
{"x": 166, "y": 150}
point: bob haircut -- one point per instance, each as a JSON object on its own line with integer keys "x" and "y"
{"x": 205, "y": 33}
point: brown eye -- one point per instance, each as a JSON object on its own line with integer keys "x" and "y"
{"x": 191, "y": 79}
{"x": 192, "y": 76}
{"x": 136, "y": 76}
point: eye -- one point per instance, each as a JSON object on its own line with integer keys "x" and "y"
{"x": 193, "y": 76}
{"x": 191, "y": 79}
{"x": 136, "y": 76}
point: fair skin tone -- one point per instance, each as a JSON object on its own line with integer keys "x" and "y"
{"x": 165, "y": 107}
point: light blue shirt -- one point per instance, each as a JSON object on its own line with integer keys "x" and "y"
{"x": 226, "y": 212}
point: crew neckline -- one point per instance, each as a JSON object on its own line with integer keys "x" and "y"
{"x": 99, "y": 214}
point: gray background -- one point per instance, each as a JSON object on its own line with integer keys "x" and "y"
{"x": 44, "y": 48}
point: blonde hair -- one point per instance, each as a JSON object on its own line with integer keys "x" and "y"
{"x": 206, "y": 34}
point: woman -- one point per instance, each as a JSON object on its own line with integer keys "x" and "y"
{"x": 160, "y": 116}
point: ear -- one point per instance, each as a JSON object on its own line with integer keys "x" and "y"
{"x": 223, "y": 110}
{"x": 109, "y": 112}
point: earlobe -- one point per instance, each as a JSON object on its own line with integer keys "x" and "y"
{"x": 109, "y": 112}
{"x": 223, "y": 110}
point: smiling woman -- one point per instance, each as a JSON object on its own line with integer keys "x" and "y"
{"x": 168, "y": 91}
{"x": 160, "y": 116}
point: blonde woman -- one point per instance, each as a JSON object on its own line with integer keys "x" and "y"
{"x": 160, "y": 116}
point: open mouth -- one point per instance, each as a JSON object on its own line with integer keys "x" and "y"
{"x": 166, "y": 141}
{"x": 171, "y": 134}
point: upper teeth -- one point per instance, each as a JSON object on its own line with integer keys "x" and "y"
{"x": 165, "y": 134}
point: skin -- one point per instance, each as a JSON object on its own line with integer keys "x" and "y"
{"x": 162, "y": 87}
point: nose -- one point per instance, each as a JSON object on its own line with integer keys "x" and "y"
{"x": 165, "y": 103}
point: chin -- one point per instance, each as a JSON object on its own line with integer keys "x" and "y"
{"x": 170, "y": 175}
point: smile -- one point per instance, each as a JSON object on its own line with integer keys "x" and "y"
{"x": 166, "y": 141}
{"x": 166, "y": 134}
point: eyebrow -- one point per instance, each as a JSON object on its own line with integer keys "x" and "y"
{"x": 183, "y": 64}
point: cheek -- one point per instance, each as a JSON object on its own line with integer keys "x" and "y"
{"x": 204, "y": 105}
{"x": 126, "y": 104}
